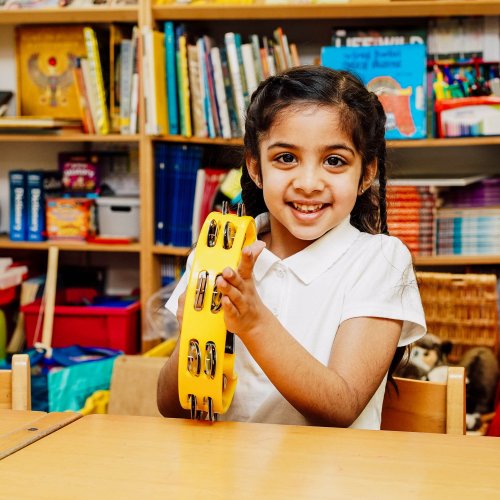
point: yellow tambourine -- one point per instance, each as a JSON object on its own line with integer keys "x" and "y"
{"x": 206, "y": 349}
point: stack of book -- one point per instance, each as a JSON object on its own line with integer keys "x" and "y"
{"x": 197, "y": 88}
{"x": 176, "y": 168}
{"x": 469, "y": 221}
{"x": 411, "y": 216}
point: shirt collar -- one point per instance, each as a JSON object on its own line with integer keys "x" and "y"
{"x": 315, "y": 259}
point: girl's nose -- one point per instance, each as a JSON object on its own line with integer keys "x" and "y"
{"x": 308, "y": 180}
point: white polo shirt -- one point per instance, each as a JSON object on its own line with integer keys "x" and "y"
{"x": 344, "y": 274}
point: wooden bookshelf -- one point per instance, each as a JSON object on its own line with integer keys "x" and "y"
{"x": 63, "y": 15}
{"x": 147, "y": 14}
{"x": 71, "y": 246}
{"x": 348, "y": 10}
{"x": 65, "y": 136}
{"x": 170, "y": 250}
{"x": 400, "y": 144}
{"x": 457, "y": 260}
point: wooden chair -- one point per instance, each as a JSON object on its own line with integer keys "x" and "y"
{"x": 15, "y": 384}
{"x": 426, "y": 406}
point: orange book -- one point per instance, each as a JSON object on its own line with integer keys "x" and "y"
{"x": 83, "y": 100}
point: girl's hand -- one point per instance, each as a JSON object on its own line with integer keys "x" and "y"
{"x": 180, "y": 308}
{"x": 242, "y": 306}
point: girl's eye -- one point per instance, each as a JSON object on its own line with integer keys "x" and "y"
{"x": 286, "y": 158}
{"x": 335, "y": 161}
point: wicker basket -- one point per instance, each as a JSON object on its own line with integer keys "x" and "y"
{"x": 461, "y": 308}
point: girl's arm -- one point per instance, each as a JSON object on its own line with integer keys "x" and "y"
{"x": 331, "y": 395}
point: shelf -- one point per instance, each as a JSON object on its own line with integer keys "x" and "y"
{"x": 444, "y": 143}
{"x": 402, "y": 144}
{"x": 170, "y": 250}
{"x": 238, "y": 141}
{"x": 349, "y": 10}
{"x": 68, "y": 137}
{"x": 5, "y": 243}
{"x": 457, "y": 260}
{"x": 96, "y": 14}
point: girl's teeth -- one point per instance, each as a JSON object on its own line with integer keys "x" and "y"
{"x": 307, "y": 208}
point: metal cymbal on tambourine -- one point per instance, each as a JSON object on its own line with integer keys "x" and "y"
{"x": 206, "y": 376}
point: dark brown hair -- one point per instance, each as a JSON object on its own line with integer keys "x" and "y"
{"x": 363, "y": 119}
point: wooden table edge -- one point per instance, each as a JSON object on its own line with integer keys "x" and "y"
{"x": 43, "y": 426}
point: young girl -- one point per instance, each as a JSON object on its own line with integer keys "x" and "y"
{"x": 322, "y": 300}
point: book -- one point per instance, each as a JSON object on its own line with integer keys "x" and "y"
{"x": 197, "y": 90}
{"x": 206, "y": 100}
{"x": 157, "y": 113}
{"x": 39, "y": 186}
{"x": 397, "y": 74}
{"x": 183, "y": 83}
{"x": 249, "y": 67}
{"x": 17, "y": 192}
{"x": 90, "y": 93}
{"x": 238, "y": 84}
{"x": 366, "y": 37}
{"x": 45, "y": 57}
{"x": 126, "y": 69}
{"x": 97, "y": 80}
{"x": 83, "y": 99}
{"x": 231, "y": 104}
{"x": 134, "y": 97}
{"x": 173, "y": 113}
{"x": 220, "y": 92}
{"x": 208, "y": 181}
{"x": 17, "y": 123}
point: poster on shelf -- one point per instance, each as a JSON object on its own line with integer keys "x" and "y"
{"x": 397, "y": 74}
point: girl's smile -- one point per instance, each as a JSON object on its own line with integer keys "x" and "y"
{"x": 310, "y": 173}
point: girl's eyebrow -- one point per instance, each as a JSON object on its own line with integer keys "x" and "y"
{"x": 286, "y": 145}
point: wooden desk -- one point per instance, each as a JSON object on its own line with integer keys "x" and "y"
{"x": 21, "y": 428}
{"x": 103, "y": 456}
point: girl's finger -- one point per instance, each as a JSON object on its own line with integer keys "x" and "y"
{"x": 249, "y": 256}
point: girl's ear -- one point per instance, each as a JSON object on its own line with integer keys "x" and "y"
{"x": 368, "y": 177}
{"x": 254, "y": 171}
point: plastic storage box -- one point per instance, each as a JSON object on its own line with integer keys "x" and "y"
{"x": 118, "y": 216}
{"x": 91, "y": 326}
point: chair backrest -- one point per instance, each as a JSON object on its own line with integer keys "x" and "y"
{"x": 15, "y": 384}
{"x": 423, "y": 406}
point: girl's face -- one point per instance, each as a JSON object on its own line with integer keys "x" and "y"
{"x": 310, "y": 174}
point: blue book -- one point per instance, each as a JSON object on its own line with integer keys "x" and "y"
{"x": 397, "y": 74}
{"x": 40, "y": 185}
{"x": 161, "y": 196}
{"x": 171, "y": 67}
{"x": 18, "y": 212}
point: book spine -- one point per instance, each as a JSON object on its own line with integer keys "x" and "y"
{"x": 160, "y": 83}
{"x": 199, "y": 124}
{"x": 18, "y": 222}
{"x": 231, "y": 105}
{"x": 126, "y": 73}
{"x": 204, "y": 88}
{"x": 220, "y": 93}
{"x": 173, "y": 108}
{"x": 135, "y": 88}
{"x": 249, "y": 67}
{"x": 83, "y": 99}
{"x": 35, "y": 200}
{"x": 97, "y": 78}
{"x": 214, "y": 105}
{"x": 188, "y": 132}
{"x": 236, "y": 81}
